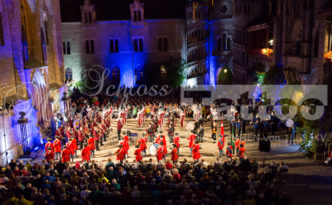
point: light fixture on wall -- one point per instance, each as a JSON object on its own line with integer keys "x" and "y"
{"x": 22, "y": 121}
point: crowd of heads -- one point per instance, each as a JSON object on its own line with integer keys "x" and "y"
{"x": 137, "y": 183}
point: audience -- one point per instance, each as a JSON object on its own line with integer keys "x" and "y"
{"x": 147, "y": 182}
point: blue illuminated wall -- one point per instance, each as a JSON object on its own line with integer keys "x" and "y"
{"x": 125, "y": 32}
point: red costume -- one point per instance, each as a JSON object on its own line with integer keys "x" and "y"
{"x": 241, "y": 152}
{"x": 176, "y": 141}
{"x": 57, "y": 145}
{"x": 157, "y": 140}
{"x": 196, "y": 154}
{"x": 81, "y": 136}
{"x": 120, "y": 154}
{"x": 68, "y": 134}
{"x": 143, "y": 144}
{"x": 237, "y": 144}
{"x": 74, "y": 142}
{"x": 86, "y": 154}
{"x": 191, "y": 139}
{"x": 95, "y": 135}
{"x": 119, "y": 125}
{"x": 221, "y": 143}
{"x": 160, "y": 153}
{"x": 70, "y": 147}
{"x": 229, "y": 151}
{"x": 175, "y": 155}
{"x": 182, "y": 118}
{"x": 91, "y": 142}
{"x": 163, "y": 140}
{"x": 126, "y": 144}
{"x": 49, "y": 144}
{"x": 138, "y": 154}
{"x": 65, "y": 155}
{"x": 49, "y": 155}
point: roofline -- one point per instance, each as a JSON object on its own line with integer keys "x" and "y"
{"x": 125, "y": 21}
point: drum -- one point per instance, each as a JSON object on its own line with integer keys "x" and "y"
{"x": 153, "y": 149}
{"x": 289, "y": 123}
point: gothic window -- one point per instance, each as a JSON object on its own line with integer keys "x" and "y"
{"x": 43, "y": 44}
{"x": 116, "y": 75}
{"x": 68, "y": 74}
{"x": 137, "y": 15}
{"x": 139, "y": 74}
{"x": 2, "y": 39}
{"x": 88, "y": 17}
{"x": 162, "y": 44}
{"x": 329, "y": 36}
{"x": 90, "y": 46}
{"x": 138, "y": 45}
{"x": 114, "y": 46}
{"x": 197, "y": 14}
{"x": 66, "y": 47}
{"x": 223, "y": 9}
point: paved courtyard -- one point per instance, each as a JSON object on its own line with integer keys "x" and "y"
{"x": 307, "y": 182}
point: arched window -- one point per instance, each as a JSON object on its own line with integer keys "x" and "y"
{"x": 69, "y": 74}
{"x": 139, "y": 74}
{"x": 116, "y": 75}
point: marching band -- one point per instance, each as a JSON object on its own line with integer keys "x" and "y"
{"x": 89, "y": 130}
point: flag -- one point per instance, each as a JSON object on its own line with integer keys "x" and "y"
{"x": 222, "y": 126}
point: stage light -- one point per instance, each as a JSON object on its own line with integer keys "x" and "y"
{"x": 35, "y": 149}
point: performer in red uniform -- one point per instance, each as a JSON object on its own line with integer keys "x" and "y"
{"x": 177, "y": 142}
{"x": 160, "y": 152}
{"x": 119, "y": 127}
{"x": 68, "y": 133}
{"x": 163, "y": 141}
{"x": 86, "y": 153}
{"x": 195, "y": 152}
{"x": 138, "y": 154}
{"x": 120, "y": 154}
{"x": 174, "y": 153}
{"x": 70, "y": 147}
{"x": 142, "y": 144}
{"x": 91, "y": 144}
{"x": 65, "y": 155}
{"x": 81, "y": 137}
{"x": 242, "y": 152}
{"x": 74, "y": 142}
{"x": 57, "y": 148}
{"x": 221, "y": 144}
{"x": 49, "y": 154}
{"x": 96, "y": 137}
{"x": 237, "y": 145}
{"x": 48, "y": 144}
{"x": 229, "y": 152}
{"x": 183, "y": 114}
{"x": 125, "y": 144}
{"x": 191, "y": 139}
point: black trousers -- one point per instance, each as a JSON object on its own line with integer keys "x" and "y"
{"x": 119, "y": 134}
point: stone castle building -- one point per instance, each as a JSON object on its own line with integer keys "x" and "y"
{"x": 303, "y": 34}
{"x": 129, "y": 37}
{"x": 32, "y": 70}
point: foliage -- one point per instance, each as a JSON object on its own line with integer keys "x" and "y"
{"x": 175, "y": 73}
{"x": 274, "y": 76}
{"x": 254, "y": 69}
{"x": 175, "y": 69}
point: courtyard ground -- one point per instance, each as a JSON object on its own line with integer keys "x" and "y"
{"x": 307, "y": 182}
